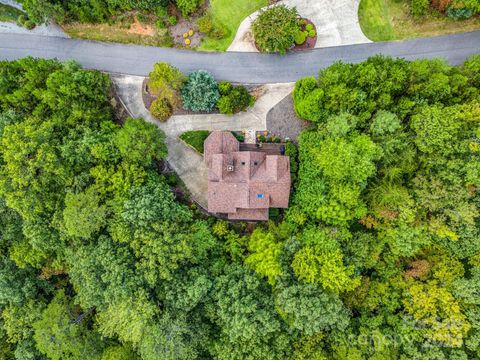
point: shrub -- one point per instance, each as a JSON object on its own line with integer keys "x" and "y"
{"x": 309, "y": 27}
{"x": 161, "y": 109}
{"x": 187, "y": 42}
{"x": 172, "y": 20}
{"x": 21, "y": 20}
{"x": 212, "y": 29}
{"x": 275, "y": 29}
{"x": 224, "y": 87}
{"x": 187, "y": 7}
{"x": 200, "y": 92}
{"x": 161, "y": 11}
{"x": 166, "y": 80}
{"x": 312, "y": 33}
{"x": 29, "y": 24}
{"x": 300, "y": 37}
{"x": 459, "y": 14}
{"x": 419, "y": 7}
{"x": 190, "y": 32}
{"x": 238, "y": 99}
{"x": 160, "y": 24}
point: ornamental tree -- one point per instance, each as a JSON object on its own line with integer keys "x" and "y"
{"x": 200, "y": 92}
{"x": 275, "y": 29}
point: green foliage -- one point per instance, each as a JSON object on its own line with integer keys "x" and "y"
{"x": 99, "y": 260}
{"x": 300, "y": 37}
{"x": 161, "y": 109}
{"x": 165, "y": 81}
{"x": 195, "y": 139}
{"x": 200, "y": 92}
{"x": 187, "y": 7}
{"x": 275, "y": 29}
{"x": 207, "y": 25}
{"x": 83, "y": 215}
{"x": 234, "y": 100}
{"x": 308, "y": 308}
{"x": 419, "y": 7}
{"x": 141, "y": 142}
{"x": 58, "y": 338}
{"x": 264, "y": 253}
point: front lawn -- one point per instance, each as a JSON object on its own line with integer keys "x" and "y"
{"x": 384, "y": 20}
{"x": 9, "y": 13}
{"x": 195, "y": 139}
{"x": 229, "y": 13}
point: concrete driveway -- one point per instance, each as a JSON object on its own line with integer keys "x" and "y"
{"x": 336, "y": 22}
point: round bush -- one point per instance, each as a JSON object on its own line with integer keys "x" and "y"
{"x": 160, "y": 24}
{"x": 237, "y": 100}
{"x": 300, "y": 37}
{"x": 312, "y": 33}
{"x": 309, "y": 27}
{"x": 29, "y": 24}
{"x": 21, "y": 20}
{"x": 172, "y": 20}
{"x": 200, "y": 92}
{"x": 275, "y": 29}
{"x": 224, "y": 87}
{"x": 161, "y": 109}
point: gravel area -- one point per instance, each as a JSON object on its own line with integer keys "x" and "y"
{"x": 282, "y": 121}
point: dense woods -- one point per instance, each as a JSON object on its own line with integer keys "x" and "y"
{"x": 378, "y": 256}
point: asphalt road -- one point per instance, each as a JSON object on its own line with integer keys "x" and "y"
{"x": 232, "y": 66}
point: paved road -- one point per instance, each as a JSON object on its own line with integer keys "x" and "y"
{"x": 241, "y": 67}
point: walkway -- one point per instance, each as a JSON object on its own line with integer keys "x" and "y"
{"x": 187, "y": 163}
{"x": 237, "y": 67}
{"x": 336, "y": 22}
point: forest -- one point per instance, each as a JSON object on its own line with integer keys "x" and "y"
{"x": 378, "y": 256}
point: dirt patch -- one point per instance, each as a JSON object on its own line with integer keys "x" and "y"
{"x": 184, "y": 26}
{"x": 141, "y": 29}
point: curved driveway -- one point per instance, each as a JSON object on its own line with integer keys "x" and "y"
{"x": 232, "y": 66}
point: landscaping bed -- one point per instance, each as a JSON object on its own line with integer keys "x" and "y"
{"x": 310, "y": 41}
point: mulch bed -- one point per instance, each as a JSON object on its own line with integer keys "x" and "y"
{"x": 148, "y": 98}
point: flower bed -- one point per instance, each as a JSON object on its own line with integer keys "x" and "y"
{"x": 310, "y": 41}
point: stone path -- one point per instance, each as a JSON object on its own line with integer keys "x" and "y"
{"x": 336, "y": 22}
{"x": 186, "y": 162}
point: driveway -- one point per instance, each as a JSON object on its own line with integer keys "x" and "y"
{"x": 336, "y": 22}
{"x": 186, "y": 162}
{"x": 232, "y": 66}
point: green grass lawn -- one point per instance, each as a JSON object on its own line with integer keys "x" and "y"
{"x": 383, "y": 20}
{"x": 230, "y": 13}
{"x": 195, "y": 138}
{"x": 9, "y": 13}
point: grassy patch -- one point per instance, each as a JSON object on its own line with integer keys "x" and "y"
{"x": 229, "y": 13}
{"x": 118, "y": 33}
{"x": 195, "y": 138}
{"x": 9, "y": 13}
{"x": 383, "y": 20}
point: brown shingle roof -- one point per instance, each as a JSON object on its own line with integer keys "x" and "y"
{"x": 244, "y": 184}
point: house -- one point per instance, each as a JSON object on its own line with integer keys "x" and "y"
{"x": 244, "y": 184}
